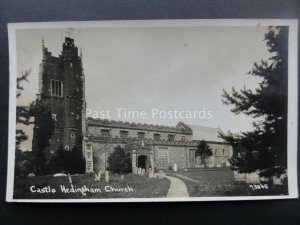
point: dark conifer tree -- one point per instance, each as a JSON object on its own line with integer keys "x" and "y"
{"x": 265, "y": 147}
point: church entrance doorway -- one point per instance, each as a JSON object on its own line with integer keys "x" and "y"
{"x": 142, "y": 162}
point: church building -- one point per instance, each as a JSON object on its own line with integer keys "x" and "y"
{"x": 152, "y": 146}
{"x": 62, "y": 88}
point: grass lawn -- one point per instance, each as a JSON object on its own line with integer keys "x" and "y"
{"x": 136, "y": 186}
{"x": 207, "y": 182}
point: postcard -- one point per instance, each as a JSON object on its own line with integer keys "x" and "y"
{"x": 153, "y": 110}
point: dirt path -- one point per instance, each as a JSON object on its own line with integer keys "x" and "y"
{"x": 177, "y": 188}
{"x": 188, "y": 178}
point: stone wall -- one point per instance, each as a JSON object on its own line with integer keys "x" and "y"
{"x": 101, "y": 151}
{"x": 165, "y": 155}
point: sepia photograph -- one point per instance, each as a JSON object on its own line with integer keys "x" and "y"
{"x": 153, "y": 110}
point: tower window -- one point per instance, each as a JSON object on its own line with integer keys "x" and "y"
{"x": 182, "y": 138}
{"x": 56, "y": 88}
{"x": 67, "y": 148}
{"x": 72, "y": 135}
{"x": 77, "y": 116}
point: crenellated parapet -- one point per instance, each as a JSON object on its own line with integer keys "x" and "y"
{"x": 139, "y": 126}
{"x": 100, "y": 139}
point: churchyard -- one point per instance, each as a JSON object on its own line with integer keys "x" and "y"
{"x": 126, "y": 186}
{"x": 209, "y": 182}
{"x": 199, "y": 182}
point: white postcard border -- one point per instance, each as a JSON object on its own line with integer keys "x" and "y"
{"x": 292, "y": 97}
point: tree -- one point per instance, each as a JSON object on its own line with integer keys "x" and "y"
{"x": 119, "y": 161}
{"x": 43, "y": 129}
{"x": 265, "y": 147}
{"x": 68, "y": 161}
{"x": 59, "y": 162}
{"x": 77, "y": 161}
{"x": 22, "y": 112}
{"x": 23, "y": 165}
{"x": 44, "y": 126}
{"x": 204, "y": 151}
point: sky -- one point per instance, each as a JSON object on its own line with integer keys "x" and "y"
{"x": 154, "y": 69}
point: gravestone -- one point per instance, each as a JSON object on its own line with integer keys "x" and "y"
{"x": 264, "y": 179}
{"x": 98, "y": 176}
{"x": 70, "y": 178}
{"x": 175, "y": 167}
{"x": 139, "y": 171}
{"x": 239, "y": 176}
{"x": 106, "y": 176}
{"x": 252, "y": 178}
{"x": 135, "y": 170}
{"x": 122, "y": 177}
{"x": 161, "y": 174}
{"x": 279, "y": 180}
{"x": 151, "y": 175}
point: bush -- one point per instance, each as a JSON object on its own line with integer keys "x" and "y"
{"x": 23, "y": 163}
{"x": 119, "y": 161}
{"x": 68, "y": 161}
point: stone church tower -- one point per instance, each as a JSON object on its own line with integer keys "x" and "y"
{"x": 61, "y": 88}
